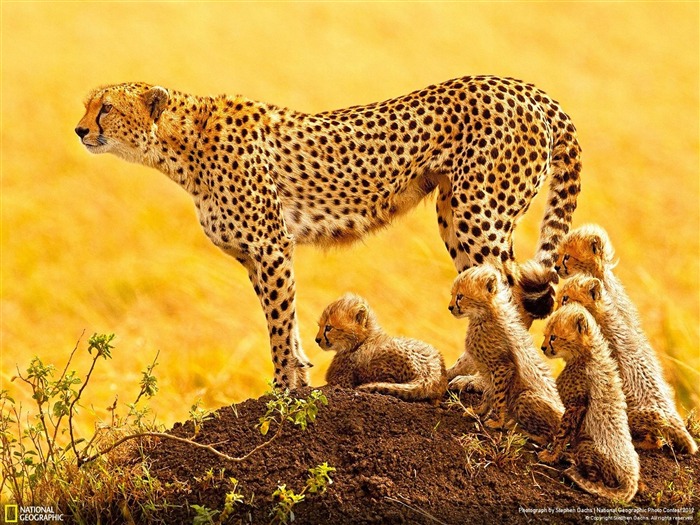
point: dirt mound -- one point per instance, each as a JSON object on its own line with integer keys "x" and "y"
{"x": 397, "y": 462}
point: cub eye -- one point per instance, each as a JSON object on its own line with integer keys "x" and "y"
{"x": 566, "y": 257}
{"x": 459, "y": 297}
{"x": 552, "y": 338}
{"x": 565, "y": 299}
{"x": 106, "y": 108}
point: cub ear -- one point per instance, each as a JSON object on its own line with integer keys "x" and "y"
{"x": 492, "y": 284}
{"x": 156, "y": 99}
{"x": 361, "y": 315}
{"x": 581, "y": 324}
{"x": 596, "y": 289}
{"x": 596, "y": 244}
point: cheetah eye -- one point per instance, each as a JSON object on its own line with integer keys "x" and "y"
{"x": 566, "y": 257}
{"x": 552, "y": 338}
{"x": 106, "y": 108}
{"x": 459, "y": 297}
{"x": 565, "y": 299}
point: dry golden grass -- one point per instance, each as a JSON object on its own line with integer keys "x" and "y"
{"x": 95, "y": 244}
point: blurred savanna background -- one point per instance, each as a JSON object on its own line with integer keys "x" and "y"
{"x": 93, "y": 244}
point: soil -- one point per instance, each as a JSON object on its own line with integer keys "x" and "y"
{"x": 398, "y": 463}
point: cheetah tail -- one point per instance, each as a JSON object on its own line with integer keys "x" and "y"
{"x": 536, "y": 288}
{"x": 625, "y": 492}
{"x": 564, "y": 187}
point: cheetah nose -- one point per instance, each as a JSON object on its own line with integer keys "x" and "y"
{"x": 556, "y": 268}
{"x": 318, "y": 340}
{"x": 451, "y": 308}
{"x": 81, "y": 132}
{"x": 544, "y": 349}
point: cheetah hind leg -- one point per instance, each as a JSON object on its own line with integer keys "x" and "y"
{"x": 677, "y": 435}
{"x": 536, "y": 417}
{"x": 648, "y": 428}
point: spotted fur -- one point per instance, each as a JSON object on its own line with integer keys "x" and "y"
{"x": 370, "y": 360}
{"x": 518, "y": 384}
{"x": 651, "y": 410}
{"x": 264, "y": 178}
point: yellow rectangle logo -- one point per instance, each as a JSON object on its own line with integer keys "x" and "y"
{"x": 11, "y": 513}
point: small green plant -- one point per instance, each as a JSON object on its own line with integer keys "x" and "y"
{"x": 233, "y": 498}
{"x": 203, "y": 515}
{"x": 198, "y": 416}
{"x": 283, "y": 407}
{"x": 318, "y": 481}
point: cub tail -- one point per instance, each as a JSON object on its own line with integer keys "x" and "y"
{"x": 625, "y": 492}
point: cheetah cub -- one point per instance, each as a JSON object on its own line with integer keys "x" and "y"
{"x": 595, "y": 420}
{"x": 651, "y": 411}
{"x": 518, "y": 383}
{"x": 653, "y": 417}
{"x": 370, "y": 360}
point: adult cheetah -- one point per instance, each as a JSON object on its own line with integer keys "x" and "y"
{"x": 264, "y": 178}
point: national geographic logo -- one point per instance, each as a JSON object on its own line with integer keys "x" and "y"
{"x": 17, "y": 514}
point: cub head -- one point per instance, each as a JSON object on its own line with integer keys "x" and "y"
{"x": 585, "y": 250}
{"x": 584, "y": 290}
{"x": 120, "y": 119}
{"x": 475, "y": 289}
{"x": 345, "y": 324}
{"x": 569, "y": 332}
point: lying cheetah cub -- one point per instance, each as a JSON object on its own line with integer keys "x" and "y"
{"x": 651, "y": 411}
{"x": 518, "y": 383}
{"x": 650, "y": 400}
{"x": 595, "y": 420}
{"x": 370, "y": 360}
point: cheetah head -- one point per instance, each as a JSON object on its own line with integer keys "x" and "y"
{"x": 121, "y": 119}
{"x": 568, "y": 332}
{"x": 584, "y": 290}
{"x": 474, "y": 290}
{"x": 585, "y": 250}
{"x": 345, "y": 324}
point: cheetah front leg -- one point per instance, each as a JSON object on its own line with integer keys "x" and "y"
{"x": 272, "y": 276}
{"x": 502, "y": 380}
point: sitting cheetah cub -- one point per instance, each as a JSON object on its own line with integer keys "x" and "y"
{"x": 370, "y": 360}
{"x": 651, "y": 411}
{"x": 651, "y": 408}
{"x": 518, "y": 383}
{"x": 595, "y": 420}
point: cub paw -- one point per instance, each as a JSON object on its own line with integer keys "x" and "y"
{"x": 469, "y": 383}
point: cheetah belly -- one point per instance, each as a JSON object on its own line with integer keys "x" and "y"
{"x": 342, "y": 219}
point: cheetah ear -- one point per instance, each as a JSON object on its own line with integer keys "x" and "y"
{"x": 361, "y": 315}
{"x": 595, "y": 290}
{"x": 581, "y": 324}
{"x": 156, "y": 99}
{"x": 492, "y": 284}
{"x": 596, "y": 243}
